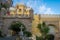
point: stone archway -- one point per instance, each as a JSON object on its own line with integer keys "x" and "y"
{"x": 15, "y": 27}
{"x": 7, "y": 21}
{"x": 52, "y": 29}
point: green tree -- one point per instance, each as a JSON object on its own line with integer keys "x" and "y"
{"x": 15, "y": 26}
{"x": 0, "y": 6}
{"x": 44, "y": 29}
{"x": 5, "y": 5}
{"x": 27, "y": 33}
{"x": 39, "y": 38}
{"x": 1, "y": 34}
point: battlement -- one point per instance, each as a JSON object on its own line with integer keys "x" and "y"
{"x": 15, "y": 16}
{"x": 20, "y": 11}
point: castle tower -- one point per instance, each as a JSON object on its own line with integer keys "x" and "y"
{"x": 24, "y": 11}
{"x": 12, "y": 11}
{"x": 20, "y": 8}
{"x": 29, "y": 12}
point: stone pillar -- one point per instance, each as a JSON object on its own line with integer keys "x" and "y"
{"x": 59, "y": 26}
{"x": 57, "y": 36}
{"x": 34, "y": 37}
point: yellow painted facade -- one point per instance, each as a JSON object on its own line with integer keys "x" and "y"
{"x": 35, "y": 23}
{"x": 20, "y": 9}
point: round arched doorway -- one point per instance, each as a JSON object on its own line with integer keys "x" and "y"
{"x": 52, "y": 29}
{"x": 15, "y": 27}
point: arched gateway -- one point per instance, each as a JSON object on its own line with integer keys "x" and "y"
{"x": 7, "y": 22}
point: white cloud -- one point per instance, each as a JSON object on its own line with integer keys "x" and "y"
{"x": 41, "y": 8}
{"x": 44, "y": 10}
{"x": 31, "y": 3}
{"x": 49, "y": 11}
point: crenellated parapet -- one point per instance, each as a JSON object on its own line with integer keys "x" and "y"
{"x": 20, "y": 10}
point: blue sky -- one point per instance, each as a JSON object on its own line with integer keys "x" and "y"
{"x": 42, "y": 6}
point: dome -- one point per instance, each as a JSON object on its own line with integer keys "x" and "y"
{"x": 12, "y": 9}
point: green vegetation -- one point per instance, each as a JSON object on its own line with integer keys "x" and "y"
{"x": 15, "y": 27}
{"x": 5, "y": 5}
{"x": 27, "y": 34}
{"x": 1, "y": 34}
{"x": 44, "y": 29}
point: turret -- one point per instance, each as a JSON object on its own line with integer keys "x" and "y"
{"x": 12, "y": 11}
{"x": 20, "y": 8}
{"x": 29, "y": 12}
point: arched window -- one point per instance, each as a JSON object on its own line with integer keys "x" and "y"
{"x": 19, "y": 10}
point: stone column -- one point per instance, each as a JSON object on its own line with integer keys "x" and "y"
{"x": 57, "y": 36}
{"x": 59, "y": 26}
{"x": 34, "y": 37}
